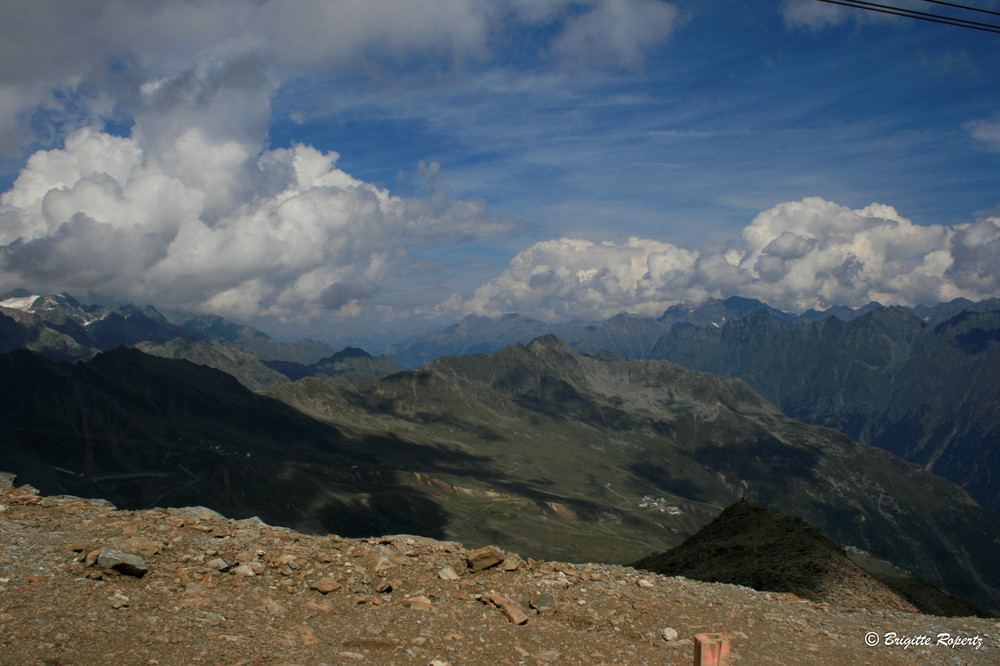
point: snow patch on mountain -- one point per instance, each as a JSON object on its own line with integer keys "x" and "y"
{"x": 19, "y": 302}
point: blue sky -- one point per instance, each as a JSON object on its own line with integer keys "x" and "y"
{"x": 352, "y": 169}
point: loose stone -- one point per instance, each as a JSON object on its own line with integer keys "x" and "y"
{"x": 447, "y": 573}
{"x": 325, "y": 585}
{"x": 125, "y": 563}
{"x": 484, "y": 558}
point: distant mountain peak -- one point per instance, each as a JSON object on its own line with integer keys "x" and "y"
{"x": 56, "y": 301}
{"x": 717, "y": 312}
{"x": 60, "y": 304}
{"x": 742, "y": 302}
{"x": 347, "y": 353}
{"x": 548, "y": 344}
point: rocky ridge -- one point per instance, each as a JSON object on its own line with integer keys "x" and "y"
{"x": 752, "y": 546}
{"x": 82, "y": 582}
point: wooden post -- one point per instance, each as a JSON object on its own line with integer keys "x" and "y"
{"x": 711, "y": 650}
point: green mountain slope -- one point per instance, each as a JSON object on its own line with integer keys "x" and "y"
{"x": 588, "y": 453}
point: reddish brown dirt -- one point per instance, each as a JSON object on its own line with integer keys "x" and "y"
{"x": 220, "y": 591}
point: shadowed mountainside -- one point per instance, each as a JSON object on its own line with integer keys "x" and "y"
{"x": 140, "y": 431}
{"x": 751, "y": 546}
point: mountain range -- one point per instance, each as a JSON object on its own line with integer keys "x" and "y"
{"x": 628, "y": 335}
{"x": 596, "y": 437}
{"x": 61, "y": 328}
{"x": 921, "y": 382}
{"x": 928, "y": 392}
{"x": 539, "y": 448}
{"x": 631, "y": 336}
{"x": 535, "y": 447}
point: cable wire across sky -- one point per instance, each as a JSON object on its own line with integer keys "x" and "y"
{"x": 966, "y": 7}
{"x": 925, "y": 16}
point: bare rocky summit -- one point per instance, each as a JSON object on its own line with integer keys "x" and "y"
{"x": 84, "y": 583}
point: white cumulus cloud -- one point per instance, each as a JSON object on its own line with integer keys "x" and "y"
{"x": 569, "y": 278}
{"x": 105, "y": 214}
{"x": 191, "y": 208}
{"x": 798, "y": 255}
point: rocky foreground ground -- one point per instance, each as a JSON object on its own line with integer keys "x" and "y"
{"x": 83, "y": 583}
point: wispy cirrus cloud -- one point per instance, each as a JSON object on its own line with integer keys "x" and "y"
{"x": 986, "y": 130}
{"x": 812, "y": 14}
{"x": 618, "y": 33}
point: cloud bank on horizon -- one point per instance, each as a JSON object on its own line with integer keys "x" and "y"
{"x": 797, "y": 256}
{"x": 174, "y": 154}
